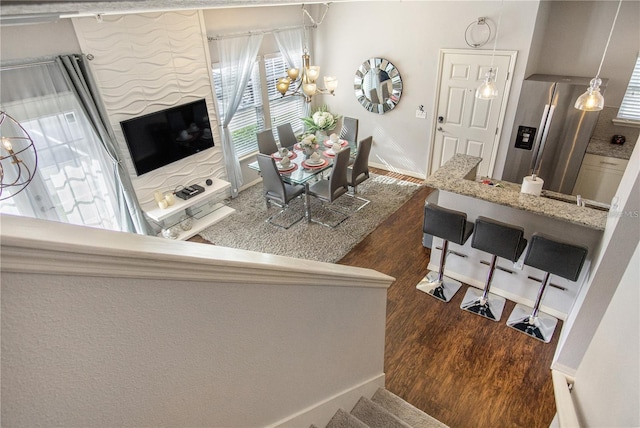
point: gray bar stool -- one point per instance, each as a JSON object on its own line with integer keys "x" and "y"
{"x": 553, "y": 257}
{"x": 451, "y": 226}
{"x": 500, "y": 240}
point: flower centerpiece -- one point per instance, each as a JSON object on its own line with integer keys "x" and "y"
{"x": 308, "y": 144}
{"x": 321, "y": 122}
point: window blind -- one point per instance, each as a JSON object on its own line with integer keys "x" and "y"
{"x": 630, "y": 107}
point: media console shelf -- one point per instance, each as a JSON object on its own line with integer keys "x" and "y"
{"x": 194, "y": 208}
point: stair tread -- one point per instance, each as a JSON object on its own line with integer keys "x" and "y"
{"x": 342, "y": 419}
{"x": 376, "y": 416}
{"x": 408, "y": 413}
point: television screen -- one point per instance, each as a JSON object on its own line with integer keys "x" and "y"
{"x": 160, "y": 138}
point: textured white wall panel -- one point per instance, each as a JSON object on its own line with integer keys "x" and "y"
{"x": 147, "y": 62}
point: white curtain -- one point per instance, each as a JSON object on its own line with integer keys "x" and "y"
{"x": 237, "y": 58}
{"x": 291, "y": 45}
{"x": 74, "y": 182}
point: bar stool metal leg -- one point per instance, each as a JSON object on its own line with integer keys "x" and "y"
{"x": 436, "y": 284}
{"x": 531, "y": 321}
{"x": 482, "y": 303}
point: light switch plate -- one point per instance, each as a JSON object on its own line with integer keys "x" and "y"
{"x": 421, "y": 114}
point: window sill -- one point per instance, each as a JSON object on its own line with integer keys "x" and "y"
{"x": 626, "y": 122}
{"x": 247, "y": 156}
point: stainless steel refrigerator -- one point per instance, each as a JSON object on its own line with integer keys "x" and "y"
{"x": 550, "y": 135}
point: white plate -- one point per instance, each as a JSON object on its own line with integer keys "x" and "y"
{"x": 285, "y": 168}
{"x": 311, "y": 162}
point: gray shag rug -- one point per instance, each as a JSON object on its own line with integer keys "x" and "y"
{"x": 247, "y": 229}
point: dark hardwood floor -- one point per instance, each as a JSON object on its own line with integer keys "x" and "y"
{"x": 458, "y": 367}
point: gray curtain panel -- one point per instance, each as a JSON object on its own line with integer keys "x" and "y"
{"x": 79, "y": 78}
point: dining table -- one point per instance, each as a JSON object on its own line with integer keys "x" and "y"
{"x": 301, "y": 171}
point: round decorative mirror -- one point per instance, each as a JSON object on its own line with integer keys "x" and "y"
{"x": 378, "y": 85}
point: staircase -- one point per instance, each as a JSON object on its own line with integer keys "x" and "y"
{"x": 383, "y": 410}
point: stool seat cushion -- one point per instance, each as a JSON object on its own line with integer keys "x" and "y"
{"x": 556, "y": 257}
{"x": 446, "y": 224}
{"x": 501, "y": 239}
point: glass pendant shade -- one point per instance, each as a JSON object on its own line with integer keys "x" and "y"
{"x": 309, "y": 89}
{"x": 283, "y": 85}
{"x": 488, "y": 89}
{"x": 293, "y": 73}
{"x": 592, "y": 100}
{"x": 313, "y": 73}
{"x": 331, "y": 83}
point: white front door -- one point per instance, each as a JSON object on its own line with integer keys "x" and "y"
{"x": 465, "y": 124}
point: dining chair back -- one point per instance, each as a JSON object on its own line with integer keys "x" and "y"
{"x": 276, "y": 190}
{"x": 336, "y": 186}
{"x": 349, "y": 130}
{"x": 286, "y": 136}
{"x": 266, "y": 142}
{"x": 359, "y": 171}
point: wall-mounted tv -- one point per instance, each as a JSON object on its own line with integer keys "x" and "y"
{"x": 160, "y": 138}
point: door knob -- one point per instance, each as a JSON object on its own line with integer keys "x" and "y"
{"x": 440, "y": 128}
{"x": 440, "y": 119}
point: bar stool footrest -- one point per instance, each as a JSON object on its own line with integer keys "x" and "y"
{"x": 491, "y": 309}
{"x": 541, "y": 327}
{"x": 442, "y": 291}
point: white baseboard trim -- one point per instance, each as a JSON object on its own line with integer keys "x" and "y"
{"x": 399, "y": 171}
{"x": 247, "y": 185}
{"x": 321, "y": 413}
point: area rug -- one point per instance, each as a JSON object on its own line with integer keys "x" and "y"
{"x": 247, "y": 229}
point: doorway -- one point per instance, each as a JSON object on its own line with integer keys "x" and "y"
{"x": 463, "y": 123}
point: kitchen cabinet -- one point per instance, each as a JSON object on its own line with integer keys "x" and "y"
{"x": 599, "y": 177}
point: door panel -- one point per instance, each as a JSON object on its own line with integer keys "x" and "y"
{"x": 470, "y": 125}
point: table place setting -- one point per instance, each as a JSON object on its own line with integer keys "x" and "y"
{"x": 314, "y": 161}
{"x": 283, "y": 153}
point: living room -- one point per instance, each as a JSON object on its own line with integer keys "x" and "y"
{"x": 402, "y": 142}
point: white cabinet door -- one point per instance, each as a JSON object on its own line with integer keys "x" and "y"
{"x": 599, "y": 177}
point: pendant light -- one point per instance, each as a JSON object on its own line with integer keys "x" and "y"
{"x": 592, "y": 100}
{"x": 18, "y": 157}
{"x": 488, "y": 90}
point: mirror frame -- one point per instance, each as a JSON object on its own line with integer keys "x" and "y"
{"x": 378, "y": 64}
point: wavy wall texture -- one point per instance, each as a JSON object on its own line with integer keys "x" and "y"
{"x": 147, "y": 62}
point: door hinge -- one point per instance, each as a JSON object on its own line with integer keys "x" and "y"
{"x": 497, "y": 130}
{"x": 508, "y": 74}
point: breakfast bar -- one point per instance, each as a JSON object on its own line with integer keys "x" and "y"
{"x": 553, "y": 214}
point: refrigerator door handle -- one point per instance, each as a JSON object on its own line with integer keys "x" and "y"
{"x": 545, "y": 122}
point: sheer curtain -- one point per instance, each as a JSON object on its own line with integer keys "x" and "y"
{"x": 237, "y": 58}
{"x": 74, "y": 182}
{"x": 79, "y": 78}
{"x": 291, "y": 45}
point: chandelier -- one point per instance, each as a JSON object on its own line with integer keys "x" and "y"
{"x": 304, "y": 79}
{"x": 18, "y": 165}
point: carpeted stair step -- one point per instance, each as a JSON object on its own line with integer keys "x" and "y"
{"x": 411, "y": 415}
{"x": 343, "y": 419}
{"x": 376, "y": 416}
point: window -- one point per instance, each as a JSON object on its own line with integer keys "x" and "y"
{"x": 74, "y": 182}
{"x": 254, "y": 115}
{"x": 249, "y": 118}
{"x": 630, "y": 107}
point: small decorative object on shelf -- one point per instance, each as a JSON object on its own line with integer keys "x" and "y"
{"x": 170, "y": 233}
{"x": 186, "y": 222}
{"x": 163, "y": 204}
{"x": 170, "y": 198}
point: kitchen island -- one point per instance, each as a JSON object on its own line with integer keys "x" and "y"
{"x": 460, "y": 189}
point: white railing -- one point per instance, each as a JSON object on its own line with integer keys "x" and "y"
{"x": 104, "y": 328}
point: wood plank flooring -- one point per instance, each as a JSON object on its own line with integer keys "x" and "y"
{"x": 458, "y": 367}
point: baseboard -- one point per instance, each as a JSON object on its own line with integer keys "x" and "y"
{"x": 396, "y": 170}
{"x": 247, "y": 185}
{"x": 322, "y": 412}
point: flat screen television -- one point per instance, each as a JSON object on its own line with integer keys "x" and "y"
{"x": 160, "y": 138}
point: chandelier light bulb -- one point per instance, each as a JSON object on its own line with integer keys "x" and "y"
{"x": 7, "y": 144}
{"x": 293, "y": 73}
{"x": 592, "y": 100}
{"x": 313, "y": 72}
{"x": 488, "y": 89}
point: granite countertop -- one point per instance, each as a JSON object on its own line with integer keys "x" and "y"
{"x": 451, "y": 178}
{"x": 605, "y": 148}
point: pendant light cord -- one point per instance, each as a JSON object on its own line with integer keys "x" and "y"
{"x": 609, "y": 39}
{"x": 495, "y": 41}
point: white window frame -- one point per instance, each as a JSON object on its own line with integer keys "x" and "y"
{"x": 629, "y": 113}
